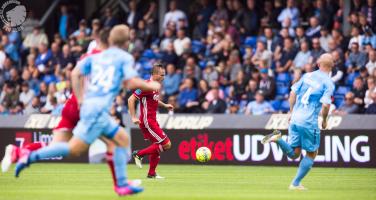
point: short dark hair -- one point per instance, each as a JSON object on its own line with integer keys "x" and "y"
{"x": 103, "y": 35}
{"x": 156, "y": 67}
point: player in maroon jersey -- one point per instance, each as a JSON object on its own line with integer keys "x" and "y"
{"x": 70, "y": 115}
{"x": 149, "y": 102}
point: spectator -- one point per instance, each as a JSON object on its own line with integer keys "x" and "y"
{"x": 66, "y": 22}
{"x": 83, "y": 29}
{"x": 371, "y": 65}
{"x": 10, "y": 48}
{"x": 217, "y": 105}
{"x": 323, "y": 13}
{"x": 214, "y": 85}
{"x": 9, "y": 102}
{"x": 181, "y": 43}
{"x": 359, "y": 92}
{"x": 284, "y": 59}
{"x": 303, "y": 56}
{"x": 151, "y": 19}
{"x": 338, "y": 70}
{"x": 188, "y": 95}
{"x": 251, "y": 89}
{"x": 291, "y": 13}
{"x": 372, "y": 107}
{"x": 314, "y": 28}
{"x": 357, "y": 59}
{"x": 168, "y": 55}
{"x": 202, "y": 19}
{"x": 34, "y": 39}
{"x": 234, "y": 65}
{"x": 220, "y": 13}
{"x": 203, "y": 90}
{"x": 239, "y": 87}
{"x": 300, "y": 36}
{"x": 369, "y": 11}
{"x": 270, "y": 39}
{"x": 171, "y": 81}
{"x": 267, "y": 84}
{"x": 348, "y": 107}
{"x": 371, "y": 83}
{"x": 173, "y": 15}
{"x": 109, "y": 20}
{"x": 67, "y": 60}
{"x": 316, "y": 50}
{"x": 43, "y": 92}
{"x": 26, "y": 95}
{"x": 210, "y": 74}
{"x": 132, "y": 16}
{"x": 167, "y": 39}
{"x": 259, "y": 106}
{"x": 248, "y": 20}
{"x": 262, "y": 56}
{"x": 356, "y": 37}
{"x": 2, "y": 57}
{"x": 33, "y": 107}
{"x": 43, "y": 57}
{"x": 369, "y": 38}
{"x": 324, "y": 39}
{"x": 191, "y": 70}
{"x": 233, "y": 107}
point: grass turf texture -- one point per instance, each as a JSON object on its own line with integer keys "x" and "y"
{"x": 92, "y": 182}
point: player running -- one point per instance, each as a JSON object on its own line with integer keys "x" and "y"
{"x": 69, "y": 118}
{"x": 308, "y": 96}
{"x": 106, "y": 70}
{"x": 148, "y": 122}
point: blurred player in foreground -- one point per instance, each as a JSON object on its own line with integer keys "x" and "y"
{"x": 308, "y": 96}
{"x": 69, "y": 119}
{"x": 148, "y": 122}
{"x": 107, "y": 71}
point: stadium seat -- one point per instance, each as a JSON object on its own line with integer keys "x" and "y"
{"x": 339, "y": 95}
{"x": 197, "y": 46}
{"x": 350, "y": 79}
{"x": 285, "y": 106}
{"x": 250, "y": 41}
{"x": 149, "y": 54}
{"x": 276, "y": 104}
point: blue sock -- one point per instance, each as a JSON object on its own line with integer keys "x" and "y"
{"x": 120, "y": 162}
{"x": 304, "y": 167}
{"x": 286, "y": 148}
{"x": 51, "y": 151}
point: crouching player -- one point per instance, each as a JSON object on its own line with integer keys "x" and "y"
{"x": 106, "y": 70}
{"x": 308, "y": 96}
{"x": 149, "y": 102}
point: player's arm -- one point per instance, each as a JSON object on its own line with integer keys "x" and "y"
{"x": 137, "y": 83}
{"x": 132, "y": 108}
{"x": 82, "y": 68}
{"x": 325, "y": 112}
{"x": 292, "y": 100}
{"x": 167, "y": 106}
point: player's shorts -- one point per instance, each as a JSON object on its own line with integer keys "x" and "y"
{"x": 154, "y": 133}
{"x": 69, "y": 118}
{"x": 306, "y": 138}
{"x": 92, "y": 125}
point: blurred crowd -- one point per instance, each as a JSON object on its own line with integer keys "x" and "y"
{"x": 221, "y": 56}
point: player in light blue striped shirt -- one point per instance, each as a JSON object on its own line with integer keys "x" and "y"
{"x": 308, "y": 96}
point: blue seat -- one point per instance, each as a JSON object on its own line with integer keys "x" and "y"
{"x": 250, "y": 41}
{"x": 350, "y": 79}
{"x": 342, "y": 90}
{"x": 148, "y": 53}
{"x": 285, "y": 106}
{"x": 276, "y": 104}
{"x": 283, "y": 77}
{"x": 197, "y": 46}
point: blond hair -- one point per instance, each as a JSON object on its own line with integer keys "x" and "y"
{"x": 119, "y": 35}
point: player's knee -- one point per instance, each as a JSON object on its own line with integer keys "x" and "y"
{"x": 75, "y": 152}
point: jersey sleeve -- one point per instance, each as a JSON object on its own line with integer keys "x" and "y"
{"x": 137, "y": 93}
{"x": 128, "y": 69}
{"x": 84, "y": 65}
{"x": 328, "y": 93}
{"x": 296, "y": 86}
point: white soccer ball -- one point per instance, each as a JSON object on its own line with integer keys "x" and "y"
{"x": 203, "y": 154}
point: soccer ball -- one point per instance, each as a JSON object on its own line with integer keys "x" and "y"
{"x": 203, "y": 154}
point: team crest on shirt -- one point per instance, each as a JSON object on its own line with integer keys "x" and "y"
{"x": 156, "y": 96}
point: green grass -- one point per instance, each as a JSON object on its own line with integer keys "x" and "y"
{"x": 92, "y": 182}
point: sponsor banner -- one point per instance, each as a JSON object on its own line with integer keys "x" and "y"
{"x": 22, "y": 137}
{"x": 337, "y": 149}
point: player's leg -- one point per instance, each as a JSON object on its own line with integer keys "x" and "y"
{"x": 310, "y": 143}
{"x": 154, "y": 160}
{"x": 291, "y": 149}
{"x": 120, "y": 159}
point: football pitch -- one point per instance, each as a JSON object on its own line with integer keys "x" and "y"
{"x": 93, "y": 182}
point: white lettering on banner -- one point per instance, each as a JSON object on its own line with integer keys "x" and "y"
{"x": 247, "y": 147}
{"x": 344, "y": 150}
{"x": 364, "y": 149}
{"x": 281, "y": 121}
{"x": 334, "y": 148}
{"x": 54, "y": 121}
{"x": 37, "y": 121}
{"x": 162, "y": 119}
{"x": 189, "y": 122}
